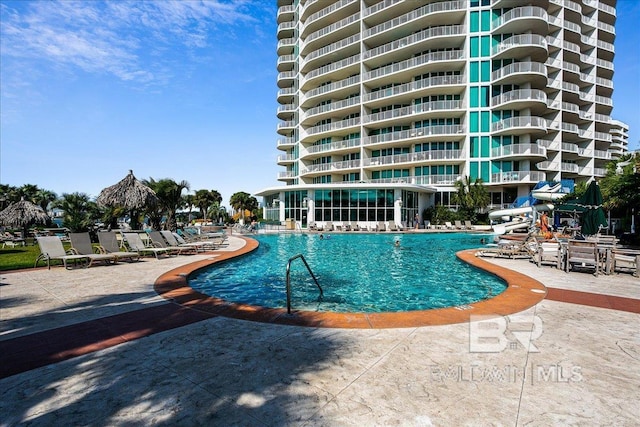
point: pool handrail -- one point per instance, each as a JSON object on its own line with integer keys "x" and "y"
{"x": 293, "y": 258}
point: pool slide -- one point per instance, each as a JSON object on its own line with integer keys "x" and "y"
{"x": 548, "y": 193}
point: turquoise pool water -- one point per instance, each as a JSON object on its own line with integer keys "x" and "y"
{"x": 358, "y": 273}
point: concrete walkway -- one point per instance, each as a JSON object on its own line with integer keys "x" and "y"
{"x": 557, "y": 363}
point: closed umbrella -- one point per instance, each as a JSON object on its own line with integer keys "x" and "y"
{"x": 129, "y": 194}
{"x": 22, "y": 215}
{"x": 594, "y": 217}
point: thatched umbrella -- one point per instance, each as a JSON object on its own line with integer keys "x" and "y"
{"x": 23, "y": 214}
{"x": 129, "y": 194}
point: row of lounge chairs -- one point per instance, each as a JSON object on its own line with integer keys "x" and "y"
{"x": 110, "y": 250}
{"x": 355, "y": 226}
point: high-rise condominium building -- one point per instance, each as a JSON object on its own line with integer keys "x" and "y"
{"x": 385, "y": 104}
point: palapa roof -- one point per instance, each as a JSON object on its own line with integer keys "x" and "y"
{"x": 129, "y": 193}
{"x": 23, "y": 213}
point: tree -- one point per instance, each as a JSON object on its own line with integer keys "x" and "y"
{"x": 42, "y": 198}
{"x": 170, "y": 199}
{"x": 242, "y": 202}
{"x": 620, "y": 186}
{"x": 207, "y": 199}
{"x": 79, "y": 211}
{"x": 470, "y": 198}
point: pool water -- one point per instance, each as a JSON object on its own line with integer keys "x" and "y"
{"x": 357, "y": 272}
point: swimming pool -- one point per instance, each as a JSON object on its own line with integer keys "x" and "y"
{"x": 358, "y": 273}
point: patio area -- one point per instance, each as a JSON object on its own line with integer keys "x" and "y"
{"x": 128, "y": 356}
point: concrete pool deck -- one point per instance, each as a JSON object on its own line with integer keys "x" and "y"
{"x": 124, "y": 355}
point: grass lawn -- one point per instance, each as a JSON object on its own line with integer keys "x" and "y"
{"x": 18, "y": 257}
{"x": 21, "y": 256}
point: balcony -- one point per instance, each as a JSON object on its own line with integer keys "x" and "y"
{"x": 415, "y": 112}
{"x": 519, "y": 125}
{"x": 433, "y": 157}
{"x": 520, "y": 73}
{"x": 286, "y": 159}
{"x": 284, "y": 143}
{"x": 520, "y": 46}
{"x": 521, "y": 19}
{"x": 327, "y": 110}
{"x": 433, "y": 85}
{"x": 422, "y": 134}
{"x": 337, "y": 89}
{"x": 407, "y": 68}
{"x": 333, "y": 167}
{"x": 518, "y": 177}
{"x": 520, "y": 99}
{"x": 286, "y": 176}
{"x": 547, "y": 166}
{"x": 286, "y": 78}
{"x": 337, "y": 147}
{"x": 519, "y": 152}
{"x": 348, "y": 125}
{"x": 425, "y": 39}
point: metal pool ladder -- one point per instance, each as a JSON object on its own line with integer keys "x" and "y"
{"x": 289, "y": 279}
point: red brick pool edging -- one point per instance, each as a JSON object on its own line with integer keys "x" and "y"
{"x": 522, "y": 293}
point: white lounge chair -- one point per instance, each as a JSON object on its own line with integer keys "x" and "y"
{"x": 51, "y": 248}
{"x": 81, "y": 245}
{"x": 135, "y": 243}
{"x": 158, "y": 241}
{"x": 109, "y": 244}
{"x": 173, "y": 242}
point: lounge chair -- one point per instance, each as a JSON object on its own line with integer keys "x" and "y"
{"x": 354, "y": 226}
{"x": 583, "y": 254}
{"x": 458, "y": 225}
{"x": 381, "y": 226}
{"x": 10, "y": 240}
{"x": 173, "y": 242}
{"x": 109, "y": 244}
{"x": 449, "y": 226}
{"x": 393, "y": 226}
{"x": 468, "y": 224}
{"x": 159, "y": 241}
{"x": 81, "y": 245}
{"x": 202, "y": 244}
{"x": 328, "y": 226}
{"x": 135, "y": 243}
{"x": 51, "y": 248}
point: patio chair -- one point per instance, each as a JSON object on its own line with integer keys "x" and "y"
{"x": 381, "y": 226}
{"x": 328, "y": 226}
{"x": 627, "y": 259}
{"x": 458, "y": 224}
{"x": 173, "y": 242}
{"x": 109, "y": 244}
{"x": 393, "y": 226}
{"x": 468, "y": 224}
{"x": 51, "y": 248}
{"x": 582, "y": 253}
{"x": 81, "y": 245}
{"x": 550, "y": 252}
{"x": 159, "y": 241}
{"x": 449, "y": 226}
{"x": 135, "y": 243}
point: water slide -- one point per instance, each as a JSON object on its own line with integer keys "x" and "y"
{"x": 514, "y": 218}
{"x": 548, "y": 193}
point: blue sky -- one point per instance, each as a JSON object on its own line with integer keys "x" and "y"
{"x": 92, "y": 89}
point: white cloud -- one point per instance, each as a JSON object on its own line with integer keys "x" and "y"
{"x": 123, "y": 38}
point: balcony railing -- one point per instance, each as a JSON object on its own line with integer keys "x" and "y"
{"x": 518, "y": 176}
{"x": 444, "y": 30}
{"x": 519, "y": 149}
{"x": 413, "y": 109}
{"x": 416, "y": 133}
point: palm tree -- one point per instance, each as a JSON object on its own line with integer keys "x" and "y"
{"x": 242, "y": 202}
{"x": 44, "y": 197}
{"x": 471, "y": 198}
{"x": 170, "y": 200}
{"x": 79, "y": 211}
{"x": 205, "y": 200}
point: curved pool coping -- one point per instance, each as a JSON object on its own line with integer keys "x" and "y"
{"x": 522, "y": 293}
